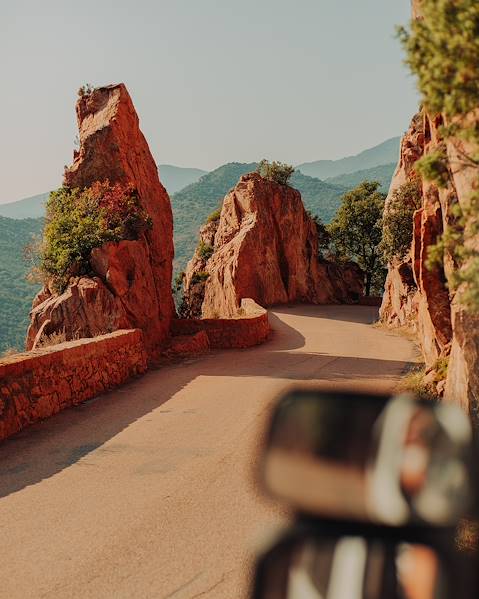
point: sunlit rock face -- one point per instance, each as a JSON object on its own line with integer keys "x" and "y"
{"x": 264, "y": 247}
{"x": 424, "y": 299}
{"x": 131, "y": 282}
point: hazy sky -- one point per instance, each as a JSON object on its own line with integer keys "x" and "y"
{"x": 213, "y": 81}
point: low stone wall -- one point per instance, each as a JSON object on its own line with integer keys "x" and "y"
{"x": 37, "y": 384}
{"x": 250, "y": 328}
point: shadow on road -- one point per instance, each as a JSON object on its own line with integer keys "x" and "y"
{"x": 367, "y": 315}
{"x": 48, "y": 447}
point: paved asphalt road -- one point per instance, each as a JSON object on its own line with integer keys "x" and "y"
{"x": 147, "y": 491}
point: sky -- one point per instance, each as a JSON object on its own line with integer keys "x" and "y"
{"x": 213, "y": 81}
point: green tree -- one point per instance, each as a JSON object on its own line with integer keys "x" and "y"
{"x": 398, "y": 221}
{"x": 275, "y": 171}
{"x": 80, "y": 220}
{"x": 356, "y": 232}
{"x": 324, "y": 238}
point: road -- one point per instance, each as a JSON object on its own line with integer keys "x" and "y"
{"x": 147, "y": 491}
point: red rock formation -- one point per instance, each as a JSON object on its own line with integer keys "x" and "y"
{"x": 265, "y": 248}
{"x": 416, "y": 297}
{"x": 430, "y": 305}
{"x": 132, "y": 286}
{"x": 194, "y": 283}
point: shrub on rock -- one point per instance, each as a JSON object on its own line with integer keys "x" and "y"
{"x": 80, "y": 220}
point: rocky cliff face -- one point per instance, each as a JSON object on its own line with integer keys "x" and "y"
{"x": 131, "y": 282}
{"x": 424, "y": 299}
{"x": 263, "y": 247}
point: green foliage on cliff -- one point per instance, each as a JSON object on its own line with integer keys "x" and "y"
{"x": 16, "y": 294}
{"x": 80, "y": 220}
{"x": 178, "y": 281}
{"x": 278, "y": 172}
{"x": 324, "y": 237}
{"x": 214, "y": 216}
{"x": 205, "y": 250}
{"x": 443, "y": 52}
{"x": 356, "y": 232}
{"x": 200, "y": 277}
{"x": 434, "y": 167}
{"x": 398, "y": 221}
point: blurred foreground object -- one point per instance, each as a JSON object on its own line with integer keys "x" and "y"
{"x": 379, "y": 484}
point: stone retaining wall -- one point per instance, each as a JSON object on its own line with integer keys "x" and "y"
{"x": 37, "y": 384}
{"x": 250, "y": 328}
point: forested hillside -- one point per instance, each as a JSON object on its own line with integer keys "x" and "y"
{"x": 16, "y": 293}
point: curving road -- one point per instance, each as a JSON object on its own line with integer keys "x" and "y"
{"x": 147, "y": 492}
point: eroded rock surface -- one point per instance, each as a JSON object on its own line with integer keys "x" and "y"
{"x": 131, "y": 284}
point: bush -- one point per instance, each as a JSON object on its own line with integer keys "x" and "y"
{"x": 80, "y": 220}
{"x": 278, "y": 172}
{"x": 414, "y": 382}
{"x": 434, "y": 167}
{"x": 53, "y": 339}
{"x": 200, "y": 277}
{"x": 324, "y": 238}
{"x": 178, "y": 281}
{"x": 85, "y": 90}
{"x": 398, "y": 221}
{"x": 443, "y": 51}
{"x": 205, "y": 250}
{"x": 214, "y": 216}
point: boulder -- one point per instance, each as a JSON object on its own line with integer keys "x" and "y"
{"x": 265, "y": 248}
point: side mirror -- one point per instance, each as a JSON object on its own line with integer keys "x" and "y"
{"x": 392, "y": 461}
{"x": 303, "y": 566}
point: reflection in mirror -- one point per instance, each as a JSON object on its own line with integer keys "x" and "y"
{"x": 371, "y": 458}
{"x": 353, "y": 568}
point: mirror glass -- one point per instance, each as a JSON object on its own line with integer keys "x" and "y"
{"x": 387, "y": 460}
{"x": 352, "y": 568}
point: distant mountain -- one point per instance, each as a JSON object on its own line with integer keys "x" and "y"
{"x": 192, "y": 205}
{"x": 383, "y": 174}
{"x": 33, "y": 207}
{"x": 175, "y": 178}
{"x": 385, "y": 153}
{"x": 16, "y": 293}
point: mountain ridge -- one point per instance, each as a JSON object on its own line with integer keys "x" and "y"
{"x": 384, "y": 153}
{"x": 174, "y": 178}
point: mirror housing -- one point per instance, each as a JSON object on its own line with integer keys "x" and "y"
{"x": 394, "y": 461}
